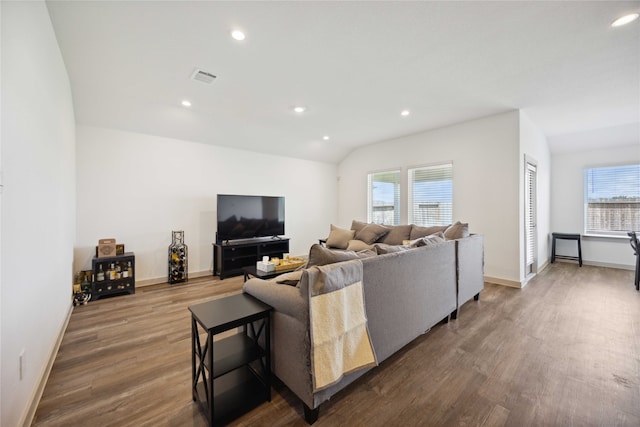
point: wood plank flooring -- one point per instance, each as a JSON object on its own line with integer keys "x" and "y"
{"x": 565, "y": 350}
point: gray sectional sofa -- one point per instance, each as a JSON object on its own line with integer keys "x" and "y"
{"x": 406, "y": 292}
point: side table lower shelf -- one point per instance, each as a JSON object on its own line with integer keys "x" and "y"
{"x": 235, "y": 393}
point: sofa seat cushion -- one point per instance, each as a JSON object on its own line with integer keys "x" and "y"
{"x": 397, "y": 234}
{"x": 371, "y": 233}
{"x": 417, "y": 231}
{"x": 339, "y": 237}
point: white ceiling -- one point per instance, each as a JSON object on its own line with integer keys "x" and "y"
{"x": 355, "y": 66}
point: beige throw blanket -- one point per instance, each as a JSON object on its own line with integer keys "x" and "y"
{"x": 340, "y": 341}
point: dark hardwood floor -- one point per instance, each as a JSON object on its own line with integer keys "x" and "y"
{"x": 565, "y": 350}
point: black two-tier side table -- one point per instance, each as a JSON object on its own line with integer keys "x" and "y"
{"x": 233, "y": 374}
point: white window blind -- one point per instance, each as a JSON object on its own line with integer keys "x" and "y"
{"x": 384, "y": 197}
{"x": 530, "y": 213}
{"x": 612, "y": 200}
{"x": 431, "y": 195}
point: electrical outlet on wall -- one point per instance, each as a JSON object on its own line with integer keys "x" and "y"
{"x": 23, "y": 364}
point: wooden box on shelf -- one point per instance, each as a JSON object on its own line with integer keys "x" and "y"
{"x": 106, "y": 248}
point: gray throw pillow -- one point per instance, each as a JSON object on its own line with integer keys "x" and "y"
{"x": 358, "y": 245}
{"x": 417, "y": 231}
{"x": 339, "y": 237}
{"x": 457, "y": 231}
{"x": 371, "y": 233}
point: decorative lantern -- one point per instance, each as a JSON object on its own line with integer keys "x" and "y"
{"x": 178, "y": 271}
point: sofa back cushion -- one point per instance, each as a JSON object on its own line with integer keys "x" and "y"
{"x": 397, "y": 234}
{"x": 319, "y": 255}
{"x": 358, "y": 225}
{"x": 417, "y": 231}
{"x": 383, "y": 248}
{"x": 406, "y": 293}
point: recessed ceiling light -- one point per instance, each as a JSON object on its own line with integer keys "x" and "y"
{"x": 326, "y": 137}
{"x": 625, "y": 20}
{"x": 405, "y": 113}
{"x": 238, "y": 35}
{"x": 186, "y": 103}
{"x": 299, "y": 109}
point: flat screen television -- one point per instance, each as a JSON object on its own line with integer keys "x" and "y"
{"x": 248, "y": 217}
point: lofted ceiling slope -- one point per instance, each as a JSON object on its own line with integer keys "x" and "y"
{"x": 354, "y": 65}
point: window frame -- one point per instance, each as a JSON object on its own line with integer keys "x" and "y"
{"x": 410, "y": 195}
{"x": 397, "y": 208}
{"x": 592, "y": 232}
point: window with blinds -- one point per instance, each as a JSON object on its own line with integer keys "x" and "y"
{"x": 384, "y": 197}
{"x": 612, "y": 200}
{"x": 530, "y": 216}
{"x": 431, "y": 195}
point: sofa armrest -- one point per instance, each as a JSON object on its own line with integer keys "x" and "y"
{"x": 283, "y": 298}
{"x": 470, "y": 264}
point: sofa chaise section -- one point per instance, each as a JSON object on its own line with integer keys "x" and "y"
{"x": 406, "y": 293}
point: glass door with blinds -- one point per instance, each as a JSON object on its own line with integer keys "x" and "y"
{"x": 530, "y": 235}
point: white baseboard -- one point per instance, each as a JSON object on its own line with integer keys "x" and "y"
{"x": 609, "y": 265}
{"x": 546, "y": 264}
{"x": 159, "y": 280}
{"x": 503, "y": 282}
{"x": 27, "y": 418}
{"x": 599, "y": 264}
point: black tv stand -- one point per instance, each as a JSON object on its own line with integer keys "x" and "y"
{"x": 230, "y": 256}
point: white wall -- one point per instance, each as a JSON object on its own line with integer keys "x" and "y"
{"x": 1, "y": 116}
{"x": 138, "y": 188}
{"x": 486, "y": 187}
{"x": 567, "y": 202}
{"x": 533, "y": 144}
{"x": 38, "y": 202}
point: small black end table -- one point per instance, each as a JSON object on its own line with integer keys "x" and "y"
{"x": 566, "y": 236}
{"x": 231, "y": 375}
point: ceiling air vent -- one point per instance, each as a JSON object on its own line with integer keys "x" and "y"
{"x": 203, "y": 76}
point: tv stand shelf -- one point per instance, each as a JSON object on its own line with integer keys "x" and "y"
{"x": 230, "y": 257}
